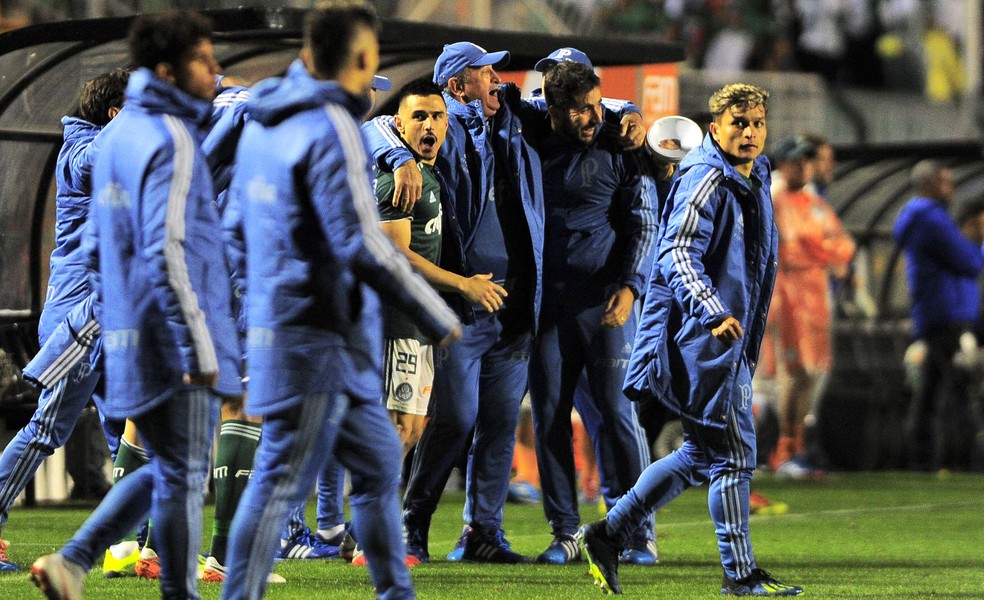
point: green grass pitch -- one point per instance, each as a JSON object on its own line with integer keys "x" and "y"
{"x": 855, "y": 535}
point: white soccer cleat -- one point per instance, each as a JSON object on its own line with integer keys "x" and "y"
{"x": 57, "y": 578}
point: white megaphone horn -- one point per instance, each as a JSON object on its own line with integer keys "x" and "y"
{"x": 671, "y": 138}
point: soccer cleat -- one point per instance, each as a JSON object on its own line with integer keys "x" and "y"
{"x": 758, "y": 504}
{"x": 121, "y": 560}
{"x": 6, "y": 565}
{"x": 148, "y": 564}
{"x": 490, "y": 546}
{"x": 759, "y": 583}
{"x": 459, "y": 546}
{"x": 216, "y": 573}
{"x": 799, "y": 469}
{"x": 346, "y": 550}
{"x": 304, "y": 544}
{"x": 562, "y": 550}
{"x": 416, "y": 542}
{"x": 602, "y": 554}
{"x": 359, "y": 560}
{"x": 57, "y": 578}
{"x": 640, "y": 552}
{"x": 336, "y": 540}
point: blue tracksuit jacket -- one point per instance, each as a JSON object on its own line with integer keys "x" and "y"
{"x": 941, "y": 264}
{"x": 68, "y": 282}
{"x": 717, "y": 256}
{"x": 162, "y": 276}
{"x": 313, "y": 241}
{"x": 601, "y": 219}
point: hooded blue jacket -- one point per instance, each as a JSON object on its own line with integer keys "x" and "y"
{"x": 68, "y": 282}
{"x": 717, "y": 256}
{"x": 313, "y": 242}
{"x": 162, "y": 276}
{"x": 941, "y": 264}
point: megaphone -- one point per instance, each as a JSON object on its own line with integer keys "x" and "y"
{"x": 671, "y": 138}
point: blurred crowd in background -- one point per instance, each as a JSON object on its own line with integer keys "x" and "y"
{"x": 906, "y": 45}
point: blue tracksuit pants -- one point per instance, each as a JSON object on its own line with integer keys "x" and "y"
{"x": 294, "y": 446}
{"x": 331, "y": 502}
{"x": 724, "y": 456}
{"x": 571, "y": 341}
{"x": 178, "y": 435}
{"x": 49, "y": 428}
{"x": 479, "y": 382}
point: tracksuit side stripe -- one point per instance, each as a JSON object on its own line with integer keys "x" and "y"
{"x": 731, "y": 498}
{"x": 648, "y": 234}
{"x": 685, "y": 239}
{"x": 311, "y": 423}
{"x": 382, "y": 126}
{"x": 198, "y": 448}
{"x": 174, "y": 235}
{"x": 60, "y": 367}
{"x": 26, "y": 464}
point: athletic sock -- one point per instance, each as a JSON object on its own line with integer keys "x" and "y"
{"x": 331, "y": 532}
{"x": 233, "y": 466}
{"x": 129, "y": 458}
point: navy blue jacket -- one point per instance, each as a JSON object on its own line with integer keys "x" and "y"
{"x": 717, "y": 256}
{"x": 941, "y": 264}
{"x": 601, "y": 218}
{"x": 316, "y": 257}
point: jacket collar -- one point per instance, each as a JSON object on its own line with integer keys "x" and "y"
{"x": 277, "y": 98}
{"x": 151, "y": 93}
{"x": 75, "y": 127}
{"x": 709, "y": 153}
{"x": 472, "y": 112}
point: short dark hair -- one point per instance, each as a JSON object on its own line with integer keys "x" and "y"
{"x": 329, "y": 29}
{"x": 166, "y": 37}
{"x": 566, "y": 81}
{"x": 422, "y": 86}
{"x": 102, "y": 93}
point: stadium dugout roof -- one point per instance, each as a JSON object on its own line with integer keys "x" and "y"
{"x": 42, "y": 68}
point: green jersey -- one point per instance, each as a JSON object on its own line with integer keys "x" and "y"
{"x": 425, "y": 238}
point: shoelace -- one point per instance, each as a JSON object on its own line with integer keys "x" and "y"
{"x": 501, "y": 541}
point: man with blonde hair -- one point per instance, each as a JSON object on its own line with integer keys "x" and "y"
{"x": 697, "y": 343}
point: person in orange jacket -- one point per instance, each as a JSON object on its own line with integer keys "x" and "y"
{"x": 812, "y": 245}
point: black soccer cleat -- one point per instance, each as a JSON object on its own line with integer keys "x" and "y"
{"x": 602, "y": 553}
{"x": 759, "y": 583}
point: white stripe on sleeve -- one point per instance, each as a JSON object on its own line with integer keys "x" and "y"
{"x": 174, "y": 235}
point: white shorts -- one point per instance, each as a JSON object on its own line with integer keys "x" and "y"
{"x": 409, "y": 373}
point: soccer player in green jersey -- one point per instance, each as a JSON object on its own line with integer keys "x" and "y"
{"x": 422, "y": 122}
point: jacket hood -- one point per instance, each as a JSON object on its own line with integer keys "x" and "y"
{"x": 709, "y": 153}
{"x": 149, "y": 92}
{"x": 76, "y": 128}
{"x": 917, "y": 209}
{"x": 277, "y": 98}
{"x": 472, "y": 112}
